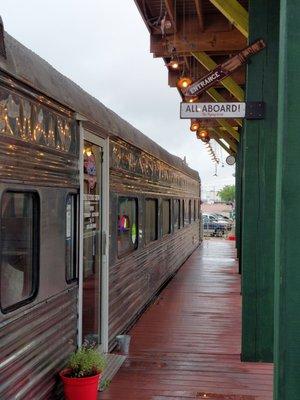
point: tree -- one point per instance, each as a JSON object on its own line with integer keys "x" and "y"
{"x": 227, "y": 193}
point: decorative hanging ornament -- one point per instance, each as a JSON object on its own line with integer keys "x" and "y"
{"x": 230, "y": 160}
{"x": 165, "y": 24}
{"x": 205, "y": 139}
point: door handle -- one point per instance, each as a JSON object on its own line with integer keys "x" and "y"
{"x": 103, "y": 244}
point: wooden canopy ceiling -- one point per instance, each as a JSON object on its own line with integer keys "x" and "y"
{"x": 200, "y": 34}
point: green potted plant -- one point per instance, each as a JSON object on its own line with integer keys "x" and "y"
{"x": 82, "y": 374}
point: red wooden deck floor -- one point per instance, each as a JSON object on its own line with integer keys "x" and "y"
{"x": 187, "y": 344}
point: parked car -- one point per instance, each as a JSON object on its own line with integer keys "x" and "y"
{"x": 221, "y": 217}
{"x": 221, "y": 221}
{"x": 212, "y": 227}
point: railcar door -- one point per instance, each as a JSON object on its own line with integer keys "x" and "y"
{"x": 93, "y": 252}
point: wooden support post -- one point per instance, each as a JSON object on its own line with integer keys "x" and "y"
{"x": 228, "y": 83}
{"x": 235, "y": 13}
{"x": 287, "y": 256}
{"x": 259, "y": 182}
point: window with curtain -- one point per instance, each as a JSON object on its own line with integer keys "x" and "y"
{"x": 177, "y": 214}
{"x": 127, "y": 236}
{"x": 166, "y": 217}
{"x": 19, "y": 248}
{"x": 151, "y": 220}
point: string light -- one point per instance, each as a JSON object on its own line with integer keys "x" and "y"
{"x": 203, "y": 134}
{"x": 195, "y": 125}
{"x": 191, "y": 99}
{"x": 174, "y": 64}
{"x": 184, "y": 82}
{"x": 87, "y": 151}
{"x": 24, "y": 113}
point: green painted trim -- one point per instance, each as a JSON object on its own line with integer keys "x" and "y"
{"x": 287, "y": 257}
{"x": 259, "y": 184}
{"x": 239, "y": 197}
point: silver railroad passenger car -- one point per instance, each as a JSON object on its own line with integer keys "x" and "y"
{"x": 94, "y": 219}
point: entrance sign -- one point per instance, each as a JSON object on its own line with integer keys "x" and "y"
{"x": 223, "y": 70}
{"x": 212, "y": 110}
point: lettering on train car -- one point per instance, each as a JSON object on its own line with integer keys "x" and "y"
{"x": 27, "y": 120}
{"x": 130, "y": 159}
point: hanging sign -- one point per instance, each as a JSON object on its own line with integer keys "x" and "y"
{"x": 212, "y": 110}
{"x": 223, "y": 70}
{"x": 248, "y": 110}
{"x": 230, "y": 160}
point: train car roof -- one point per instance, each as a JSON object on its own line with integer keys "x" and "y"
{"x": 28, "y": 67}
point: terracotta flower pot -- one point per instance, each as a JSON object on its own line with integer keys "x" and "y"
{"x": 80, "y": 388}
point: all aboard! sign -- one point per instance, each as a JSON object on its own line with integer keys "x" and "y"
{"x": 212, "y": 110}
{"x": 223, "y": 70}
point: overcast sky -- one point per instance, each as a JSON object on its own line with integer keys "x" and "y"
{"x": 104, "y": 47}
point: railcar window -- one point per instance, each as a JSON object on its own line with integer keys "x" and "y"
{"x": 183, "y": 211}
{"x": 166, "y": 216}
{"x": 176, "y": 214}
{"x": 151, "y": 220}
{"x": 127, "y": 225}
{"x": 199, "y": 209}
{"x": 19, "y": 248}
{"x": 71, "y": 236}
{"x": 186, "y": 212}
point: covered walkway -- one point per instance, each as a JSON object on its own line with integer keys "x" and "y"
{"x": 188, "y": 343}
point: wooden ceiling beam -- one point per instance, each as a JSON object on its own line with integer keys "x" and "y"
{"x": 198, "y": 5}
{"x": 226, "y": 136}
{"x": 235, "y": 13}
{"x": 229, "y": 150}
{"x": 227, "y": 127}
{"x": 215, "y": 42}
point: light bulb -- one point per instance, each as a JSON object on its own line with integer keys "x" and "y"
{"x": 203, "y": 134}
{"x": 194, "y": 125}
{"x": 174, "y": 64}
{"x": 184, "y": 82}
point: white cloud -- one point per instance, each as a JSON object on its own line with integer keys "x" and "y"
{"x": 104, "y": 47}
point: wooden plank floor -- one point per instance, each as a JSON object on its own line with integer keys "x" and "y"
{"x": 187, "y": 344}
